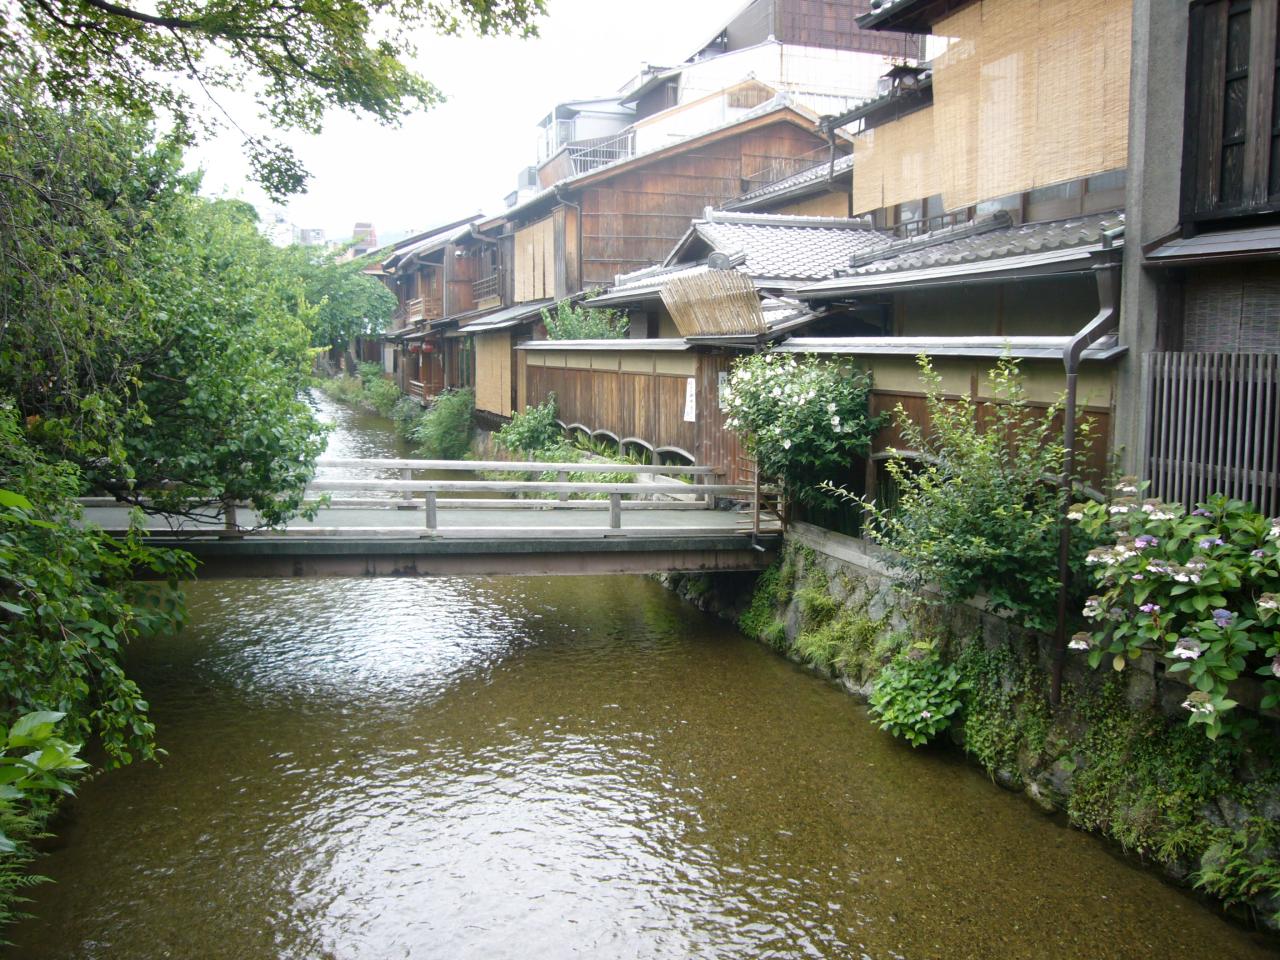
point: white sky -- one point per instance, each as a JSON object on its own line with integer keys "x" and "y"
{"x": 463, "y": 156}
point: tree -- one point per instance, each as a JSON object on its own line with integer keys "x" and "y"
{"x": 147, "y": 335}
{"x": 348, "y": 303}
{"x": 299, "y": 59}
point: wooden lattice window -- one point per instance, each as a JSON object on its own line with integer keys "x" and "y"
{"x": 1231, "y": 160}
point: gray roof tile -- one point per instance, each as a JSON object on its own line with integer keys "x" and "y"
{"x": 784, "y": 247}
{"x": 983, "y": 240}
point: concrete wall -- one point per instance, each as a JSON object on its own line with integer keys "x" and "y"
{"x": 1157, "y": 91}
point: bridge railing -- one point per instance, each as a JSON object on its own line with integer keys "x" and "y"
{"x": 700, "y": 492}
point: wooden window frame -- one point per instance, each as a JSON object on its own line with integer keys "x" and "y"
{"x": 1203, "y": 140}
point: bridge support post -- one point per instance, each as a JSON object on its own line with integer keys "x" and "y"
{"x": 432, "y": 523}
{"x": 615, "y": 511}
{"x": 563, "y": 477}
{"x": 407, "y": 474}
{"x": 229, "y": 515}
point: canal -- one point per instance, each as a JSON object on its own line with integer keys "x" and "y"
{"x": 552, "y": 768}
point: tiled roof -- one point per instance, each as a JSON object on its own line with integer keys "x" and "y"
{"x": 781, "y": 247}
{"x": 984, "y": 240}
{"x": 507, "y": 317}
{"x": 793, "y": 183}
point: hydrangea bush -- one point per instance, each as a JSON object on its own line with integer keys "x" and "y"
{"x": 916, "y": 695}
{"x": 1200, "y": 589}
{"x": 803, "y": 419}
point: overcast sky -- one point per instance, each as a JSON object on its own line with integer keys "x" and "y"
{"x": 463, "y": 156}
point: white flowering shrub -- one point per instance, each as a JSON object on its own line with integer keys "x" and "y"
{"x": 803, "y": 419}
{"x": 1200, "y": 589}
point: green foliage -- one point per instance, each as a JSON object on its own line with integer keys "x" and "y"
{"x": 849, "y": 644}
{"x": 532, "y": 432}
{"x": 1240, "y": 866}
{"x": 1005, "y": 707}
{"x": 443, "y": 432}
{"x": 804, "y": 420}
{"x": 1200, "y": 589}
{"x": 772, "y": 588}
{"x": 152, "y": 337}
{"x": 299, "y": 61}
{"x": 572, "y": 321}
{"x": 70, "y": 603}
{"x": 383, "y": 396}
{"x": 977, "y": 514}
{"x": 346, "y": 302}
{"x": 916, "y": 695}
{"x": 35, "y": 767}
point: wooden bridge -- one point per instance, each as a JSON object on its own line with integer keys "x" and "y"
{"x": 661, "y": 519}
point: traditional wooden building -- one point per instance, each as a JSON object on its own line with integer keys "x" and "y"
{"x": 579, "y": 233}
{"x": 1199, "y": 393}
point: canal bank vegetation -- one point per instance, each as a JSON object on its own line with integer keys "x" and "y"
{"x": 442, "y": 430}
{"x": 944, "y": 634}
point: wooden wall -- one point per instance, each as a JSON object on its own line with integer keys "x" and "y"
{"x": 637, "y": 394}
{"x": 633, "y": 219}
{"x": 832, "y": 23}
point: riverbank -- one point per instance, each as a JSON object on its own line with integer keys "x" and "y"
{"x": 1117, "y": 758}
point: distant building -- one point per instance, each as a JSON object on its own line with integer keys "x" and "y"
{"x": 311, "y": 236}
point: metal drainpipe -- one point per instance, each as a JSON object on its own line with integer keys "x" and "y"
{"x": 1106, "y": 321}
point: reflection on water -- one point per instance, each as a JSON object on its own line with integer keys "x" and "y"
{"x": 553, "y": 768}
{"x": 550, "y": 768}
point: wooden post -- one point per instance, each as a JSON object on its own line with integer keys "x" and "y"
{"x": 563, "y": 477}
{"x": 407, "y": 474}
{"x": 229, "y": 515}
{"x": 615, "y": 511}
{"x": 432, "y": 523}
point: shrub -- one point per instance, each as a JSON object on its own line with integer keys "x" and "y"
{"x": 915, "y": 696}
{"x": 532, "y": 432}
{"x": 381, "y": 396}
{"x": 369, "y": 372}
{"x": 575, "y": 322}
{"x": 978, "y": 513}
{"x": 444, "y": 431}
{"x": 1199, "y": 589}
{"x": 802, "y": 419}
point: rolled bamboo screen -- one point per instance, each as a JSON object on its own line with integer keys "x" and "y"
{"x": 1030, "y": 93}
{"x": 895, "y": 163}
{"x": 715, "y": 302}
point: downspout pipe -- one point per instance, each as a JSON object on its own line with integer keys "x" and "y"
{"x": 1107, "y": 321}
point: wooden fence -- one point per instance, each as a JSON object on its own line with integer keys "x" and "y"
{"x": 1213, "y": 426}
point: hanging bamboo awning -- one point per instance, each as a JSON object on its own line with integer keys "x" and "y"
{"x": 715, "y": 302}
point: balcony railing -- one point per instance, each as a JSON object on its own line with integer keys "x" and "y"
{"x": 1214, "y": 427}
{"x": 588, "y": 154}
{"x": 424, "y": 308}
{"x": 487, "y": 286}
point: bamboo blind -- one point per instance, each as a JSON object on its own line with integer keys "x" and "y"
{"x": 715, "y": 302}
{"x": 1214, "y": 427}
{"x": 895, "y": 163}
{"x": 535, "y": 261}
{"x": 1030, "y": 93}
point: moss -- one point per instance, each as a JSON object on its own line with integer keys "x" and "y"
{"x": 766, "y": 597}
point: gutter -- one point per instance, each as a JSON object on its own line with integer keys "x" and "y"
{"x": 1105, "y": 322}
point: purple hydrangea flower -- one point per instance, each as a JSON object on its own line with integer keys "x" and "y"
{"x": 1223, "y": 617}
{"x": 1208, "y": 542}
{"x": 1201, "y": 512}
{"x": 1146, "y": 540}
{"x": 1150, "y": 608}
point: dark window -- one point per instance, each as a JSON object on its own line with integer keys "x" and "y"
{"x": 1233, "y": 118}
